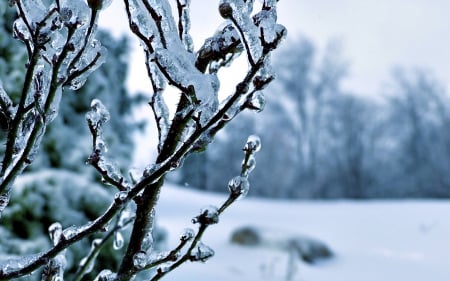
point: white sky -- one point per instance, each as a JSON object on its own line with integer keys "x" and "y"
{"x": 376, "y": 34}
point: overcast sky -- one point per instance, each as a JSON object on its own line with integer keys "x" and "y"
{"x": 375, "y": 34}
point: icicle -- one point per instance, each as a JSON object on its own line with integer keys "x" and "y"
{"x": 249, "y": 165}
{"x": 239, "y": 186}
{"x": 257, "y": 102}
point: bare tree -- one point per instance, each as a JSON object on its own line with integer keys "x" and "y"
{"x": 60, "y": 38}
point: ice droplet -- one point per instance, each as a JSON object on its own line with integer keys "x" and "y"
{"x": 118, "y": 240}
{"x": 239, "y": 186}
{"x": 208, "y": 215}
{"x": 202, "y": 252}
{"x": 253, "y": 144}
{"x": 139, "y": 260}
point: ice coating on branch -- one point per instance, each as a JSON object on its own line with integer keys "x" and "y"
{"x": 208, "y": 215}
{"x": 20, "y": 30}
{"x": 181, "y": 71}
{"x": 185, "y": 25}
{"x": 239, "y": 11}
{"x": 14, "y": 264}
{"x": 239, "y": 186}
{"x": 93, "y": 57}
{"x": 34, "y": 11}
{"x": 143, "y": 20}
{"x": 54, "y": 269}
{"x": 74, "y": 12}
{"x": 161, "y": 112}
{"x": 201, "y": 253}
{"x": 106, "y": 275}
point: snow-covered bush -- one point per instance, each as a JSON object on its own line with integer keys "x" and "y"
{"x": 61, "y": 43}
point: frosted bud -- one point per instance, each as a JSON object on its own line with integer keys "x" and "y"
{"x": 55, "y": 232}
{"x": 99, "y": 4}
{"x": 187, "y": 234}
{"x": 253, "y": 144}
{"x": 208, "y": 215}
{"x": 239, "y": 186}
{"x": 139, "y": 260}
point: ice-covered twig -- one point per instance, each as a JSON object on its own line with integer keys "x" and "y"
{"x": 197, "y": 251}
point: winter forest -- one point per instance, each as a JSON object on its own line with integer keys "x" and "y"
{"x": 290, "y": 175}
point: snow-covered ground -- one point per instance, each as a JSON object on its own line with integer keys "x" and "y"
{"x": 372, "y": 240}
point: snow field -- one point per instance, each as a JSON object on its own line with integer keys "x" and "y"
{"x": 372, "y": 240}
